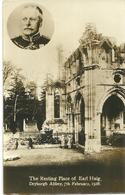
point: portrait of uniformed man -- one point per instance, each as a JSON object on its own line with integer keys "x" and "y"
{"x": 31, "y": 21}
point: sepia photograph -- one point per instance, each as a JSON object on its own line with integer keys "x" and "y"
{"x": 63, "y": 96}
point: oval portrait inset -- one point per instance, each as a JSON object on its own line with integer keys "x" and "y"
{"x": 30, "y": 26}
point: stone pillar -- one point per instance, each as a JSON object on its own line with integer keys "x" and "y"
{"x": 97, "y": 133}
{"x": 92, "y": 122}
{"x": 71, "y": 123}
{"x": 62, "y": 106}
{"x": 89, "y": 113}
{"x": 93, "y": 137}
{"x": 86, "y": 134}
{"x": 76, "y": 129}
{"x": 68, "y": 122}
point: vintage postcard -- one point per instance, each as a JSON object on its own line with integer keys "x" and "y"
{"x": 64, "y": 96}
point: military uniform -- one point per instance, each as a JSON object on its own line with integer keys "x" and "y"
{"x": 35, "y": 42}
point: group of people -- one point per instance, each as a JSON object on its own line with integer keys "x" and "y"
{"x": 30, "y": 143}
{"x": 66, "y": 141}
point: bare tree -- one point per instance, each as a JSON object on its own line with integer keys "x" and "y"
{"x": 8, "y": 70}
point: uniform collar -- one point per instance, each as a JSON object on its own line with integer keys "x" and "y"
{"x": 33, "y": 38}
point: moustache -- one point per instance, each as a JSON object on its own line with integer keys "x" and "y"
{"x": 28, "y": 29}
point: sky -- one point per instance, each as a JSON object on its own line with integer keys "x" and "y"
{"x": 69, "y": 18}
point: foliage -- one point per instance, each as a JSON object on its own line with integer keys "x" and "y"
{"x": 47, "y": 137}
{"x": 41, "y": 109}
{"x": 116, "y": 139}
{"x": 20, "y": 102}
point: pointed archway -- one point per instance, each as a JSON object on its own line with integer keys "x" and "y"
{"x": 79, "y": 118}
{"x": 113, "y": 116}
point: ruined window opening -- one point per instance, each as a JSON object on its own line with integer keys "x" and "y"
{"x": 56, "y": 105}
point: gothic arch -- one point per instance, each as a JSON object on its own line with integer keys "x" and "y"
{"x": 111, "y": 112}
{"x": 79, "y": 118}
{"x": 120, "y": 92}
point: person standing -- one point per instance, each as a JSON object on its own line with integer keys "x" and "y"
{"x": 30, "y": 143}
{"x": 16, "y": 144}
